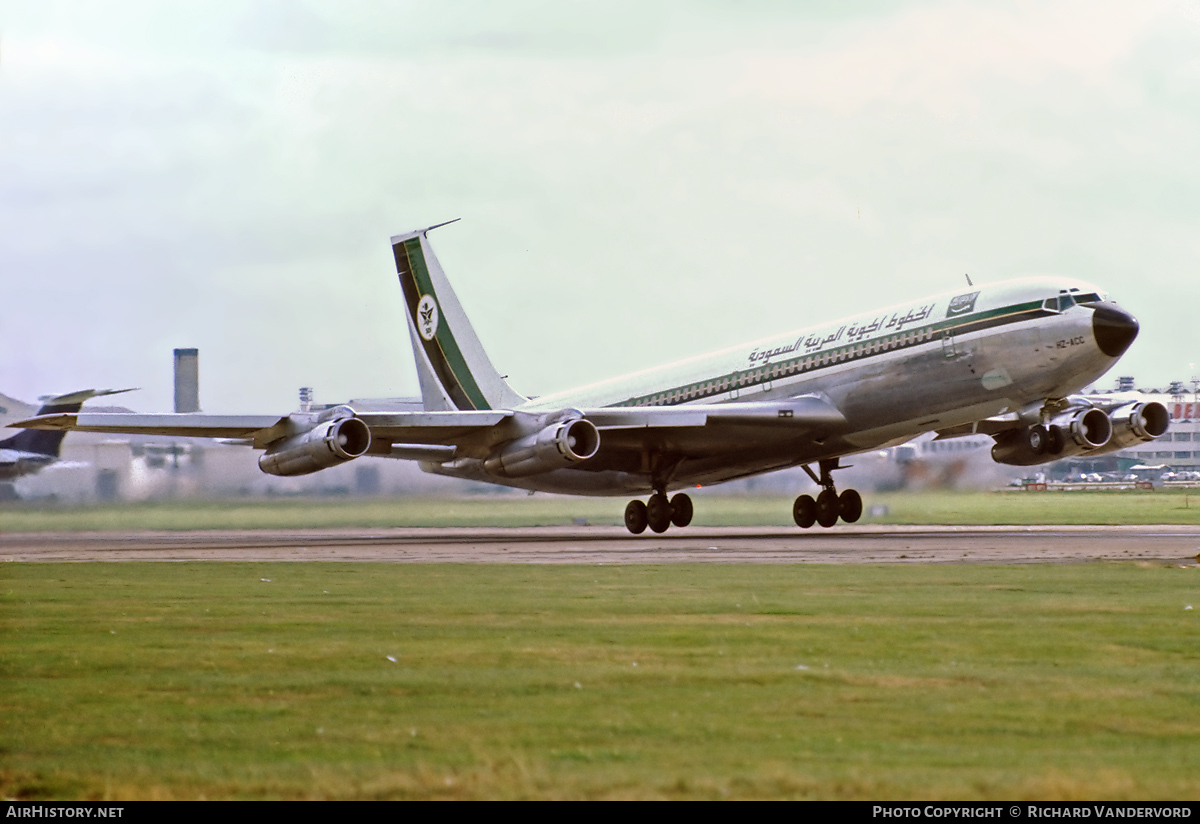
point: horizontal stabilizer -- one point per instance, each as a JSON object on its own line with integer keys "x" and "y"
{"x": 400, "y": 238}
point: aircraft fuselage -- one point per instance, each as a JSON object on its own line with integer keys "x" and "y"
{"x": 895, "y": 373}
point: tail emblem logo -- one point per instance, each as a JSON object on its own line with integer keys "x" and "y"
{"x": 427, "y": 317}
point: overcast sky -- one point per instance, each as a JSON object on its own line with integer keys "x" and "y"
{"x": 638, "y": 182}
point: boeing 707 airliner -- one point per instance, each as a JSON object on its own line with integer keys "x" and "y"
{"x": 1004, "y": 360}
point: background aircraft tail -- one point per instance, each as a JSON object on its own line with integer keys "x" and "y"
{"x": 49, "y": 442}
{"x": 454, "y": 371}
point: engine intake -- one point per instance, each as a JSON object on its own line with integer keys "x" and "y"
{"x": 1088, "y": 429}
{"x": 559, "y": 445}
{"x": 325, "y": 445}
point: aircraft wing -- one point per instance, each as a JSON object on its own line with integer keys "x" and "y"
{"x": 625, "y": 432}
{"x": 261, "y": 429}
{"x": 794, "y": 414}
{"x": 709, "y": 431}
{"x": 447, "y": 428}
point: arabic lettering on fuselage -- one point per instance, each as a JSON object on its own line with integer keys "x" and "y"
{"x": 853, "y": 333}
{"x": 767, "y": 354}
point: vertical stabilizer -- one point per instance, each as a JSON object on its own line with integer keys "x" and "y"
{"x": 453, "y": 369}
{"x": 49, "y": 442}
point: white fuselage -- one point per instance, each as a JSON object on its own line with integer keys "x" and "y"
{"x": 894, "y": 373}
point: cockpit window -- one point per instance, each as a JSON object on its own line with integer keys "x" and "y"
{"x": 1090, "y": 297}
{"x": 1061, "y": 303}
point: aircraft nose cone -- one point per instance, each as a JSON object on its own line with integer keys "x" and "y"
{"x": 1114, "y": 328}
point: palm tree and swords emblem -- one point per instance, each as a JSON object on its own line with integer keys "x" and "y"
{"x": 427, "y": 317}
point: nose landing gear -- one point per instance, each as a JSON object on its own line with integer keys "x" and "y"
{"x": 828, "y": 506}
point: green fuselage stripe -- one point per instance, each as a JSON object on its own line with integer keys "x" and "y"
{"x": 745, "y": 379}
{"x": 445, "y": 357}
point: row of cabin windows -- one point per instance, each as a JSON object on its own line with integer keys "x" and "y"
{"x": 787, "y": 368}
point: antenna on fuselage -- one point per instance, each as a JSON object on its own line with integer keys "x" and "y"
{"x": 969, "y": 280}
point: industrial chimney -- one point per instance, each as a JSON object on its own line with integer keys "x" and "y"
{"x": 187, "y": 380}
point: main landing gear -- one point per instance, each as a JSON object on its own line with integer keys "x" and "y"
{"x": 658, "y": 513}
{"x": 828, "y": 506}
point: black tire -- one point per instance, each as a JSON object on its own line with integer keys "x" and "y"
{"x": 635, "y": 517}
{"x": 827, "y": 508}
{"x": 850, "y": 506}
{"x": 658, "y": 513}
{"x": 681, "y": 510}
{"x": 804, "y": 511}
{"x": 1054, "y": 440}
{"x": 1036, "y": 439}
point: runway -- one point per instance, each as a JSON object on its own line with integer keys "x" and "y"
{"x": 613, "y": 545}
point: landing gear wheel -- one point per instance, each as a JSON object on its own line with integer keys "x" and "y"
{"x": 804, "y": 511}
{"x": 850, "y": 506}
{"x": 1054, "y": 440}
{"x": 635, "y": 517}
{"x": 681, "y": 510}
{"x": 1036, "y": 438}
{"x": 827, "y": 508}
{"x": 658, "y": 513}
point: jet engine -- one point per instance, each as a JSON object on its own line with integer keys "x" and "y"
{"x": 556, "y": 446}
{"x": 325, "y": 445}
{"x": 1136, "y": 423}
{"x": 1073, "y": 433}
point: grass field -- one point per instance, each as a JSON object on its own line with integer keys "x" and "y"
{"x": 1159, "y": 507}
{"x": 151, "y": 680}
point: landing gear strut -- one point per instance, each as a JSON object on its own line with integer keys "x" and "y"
{"x": 828, "y": 506}
{"x": 658, "y": 513}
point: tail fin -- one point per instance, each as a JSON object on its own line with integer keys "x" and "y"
{"x": 49, "y": 442}
{"x": 454, "y": 371}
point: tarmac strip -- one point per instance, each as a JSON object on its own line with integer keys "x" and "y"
{"x": 613, "y": 545}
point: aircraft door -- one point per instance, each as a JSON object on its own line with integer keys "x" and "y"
{"x": 949, "y": 352}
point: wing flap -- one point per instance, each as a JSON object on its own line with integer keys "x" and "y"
{"x": 987, "y": 426}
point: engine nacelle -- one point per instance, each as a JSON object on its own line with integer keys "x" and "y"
{"x": 326, "y": 444}
{"x": 1082, "y": 431}
{"x": 1074, "y": 433}
{"x": 1136, "y": 423}
{"x": 558, "y": 445}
